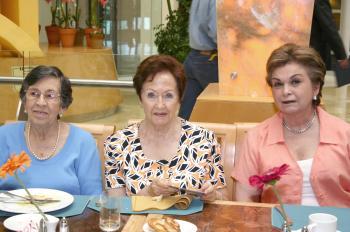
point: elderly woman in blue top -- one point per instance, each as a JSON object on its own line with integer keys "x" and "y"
{"x": 63, "y": 156}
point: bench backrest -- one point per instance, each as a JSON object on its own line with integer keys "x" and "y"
{"x": 226, "y": 136}
{"x": 241, "y": 131}
{"x": 230, "y": 137}
{"x": 100, "y": 132}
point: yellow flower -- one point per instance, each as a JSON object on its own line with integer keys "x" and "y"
{"x": 14, "y": 163}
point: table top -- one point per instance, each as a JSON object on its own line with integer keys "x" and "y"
{"x": 223, "y": 216}
{"x": 228, "y": 108}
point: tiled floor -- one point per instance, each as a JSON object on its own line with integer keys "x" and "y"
{"x": 335, "y": 100}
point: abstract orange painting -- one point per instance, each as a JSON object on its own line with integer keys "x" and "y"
{"x": 248, "y": 31}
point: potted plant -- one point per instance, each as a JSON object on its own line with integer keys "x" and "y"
{"x": 97, "y": 39}
{"x": 79, "y": 36}
{"x": 67, "y": 32}
{"x": 52, "y": 31}
{"x": 94, "y": 20}
{"x": 172, "y": 38}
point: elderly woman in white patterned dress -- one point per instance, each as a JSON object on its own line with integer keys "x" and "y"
{"x": 163, "y": 154}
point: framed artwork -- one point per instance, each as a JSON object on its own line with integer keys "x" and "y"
{"x": 248, "y": 31}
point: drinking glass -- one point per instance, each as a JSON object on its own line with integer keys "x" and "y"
{"x": 109, "y": 212}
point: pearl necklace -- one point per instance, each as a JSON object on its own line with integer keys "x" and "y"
{"x": 53, "y": 148}
{"x": 308, "y": 125}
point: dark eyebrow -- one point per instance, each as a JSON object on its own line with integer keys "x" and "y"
{"x": 149, "y": 89}
{"x": 166, "y": 91}
{"x": 170, "y": 91}
{"x": 32, "y": 88}
{"x": 48, "y": 90}
{"x": 293, "y": 76}
{"x": 275, "y": 78}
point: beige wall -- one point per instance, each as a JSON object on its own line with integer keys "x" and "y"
{"x": 24, "y": 13}
{"x": 174, "y": 5}
{"x": 10, "y": 9}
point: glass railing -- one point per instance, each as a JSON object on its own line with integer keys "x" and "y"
{"x": 11, "y": 64}
{"x": 99, "y": 94}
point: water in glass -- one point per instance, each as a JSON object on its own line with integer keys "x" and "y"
{"x": 109, "y": 213}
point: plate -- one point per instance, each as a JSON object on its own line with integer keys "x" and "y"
{"x": 184, "y": 226}
{"x": 20, "y": 221}
{"x": 65, "y": 200}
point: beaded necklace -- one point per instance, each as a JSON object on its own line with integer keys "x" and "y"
{"x": 307, "y": 126}
{"x": 53, "y": 148}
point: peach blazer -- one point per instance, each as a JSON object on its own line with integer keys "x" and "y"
{"x": 264, "y": 147}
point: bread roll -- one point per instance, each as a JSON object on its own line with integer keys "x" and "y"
{"x": 165, "y": 224}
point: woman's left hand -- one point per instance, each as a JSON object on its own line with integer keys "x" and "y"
{"x": 209, "y": 192}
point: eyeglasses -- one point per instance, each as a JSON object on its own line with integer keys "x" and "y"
{"x": 154, "y": 96}
{"x": 49, "y": 96}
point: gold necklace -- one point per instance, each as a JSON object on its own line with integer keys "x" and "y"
{"x": 307, "y": 126}
{"x": 53, "y": 148}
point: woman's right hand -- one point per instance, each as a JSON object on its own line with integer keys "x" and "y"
{"x": 162, "y": 187}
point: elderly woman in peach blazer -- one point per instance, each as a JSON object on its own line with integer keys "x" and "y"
{"x": 315, "y": 144}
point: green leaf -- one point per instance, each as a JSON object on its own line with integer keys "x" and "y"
{"x": 172, "y": 38}
{"x": 272, "y": 182}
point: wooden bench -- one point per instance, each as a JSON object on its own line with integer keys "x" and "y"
{"x": 230, "y": 137}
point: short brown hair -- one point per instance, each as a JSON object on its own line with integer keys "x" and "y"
{"x": 305, "y": 56}
{"x": 155, "y": 64}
